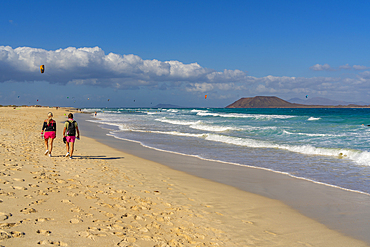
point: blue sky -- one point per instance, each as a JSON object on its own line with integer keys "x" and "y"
{"x": 143, "y": 53}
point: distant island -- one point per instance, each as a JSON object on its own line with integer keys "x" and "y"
{"x": 275, "y": 102}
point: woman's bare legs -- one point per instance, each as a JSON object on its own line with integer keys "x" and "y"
{"x": 72, "y": 148}
{"x": 46, "y": 145}
{"x": 51, "y": 145}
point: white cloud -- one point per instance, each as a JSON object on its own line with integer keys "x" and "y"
{"x": 199, "y": 87}
{"x": 264, "y": 89}
{"x": 364, "y": 75}
{"x": 345, "y": 66}
{"x": 319, "y": 67}
{"x": 92, "y": 66}
{"x": 227, "y": 76}
{"x": 360, "y": 67}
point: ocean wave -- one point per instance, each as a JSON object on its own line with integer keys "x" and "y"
{"x": 252, "y": 128}
{"x": 359, "y": 157}
{"x": 177, "y": 122}
{"x": 238, "y": 115}
{"x": 172, "y": 110}
{"x": 211, "y": 128}
{"x": 312, "y": 135}
{"x": 199, "y": 125}
{"x": 174, "y": 133}
{"x": 313, "y": 119}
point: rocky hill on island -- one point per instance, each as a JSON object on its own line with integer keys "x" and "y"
{"x": 275, "y": 102}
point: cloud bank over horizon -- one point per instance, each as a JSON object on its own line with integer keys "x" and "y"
{"x": 91, "y": 66}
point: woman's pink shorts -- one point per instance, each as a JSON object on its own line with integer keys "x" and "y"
{"x": 70, "y": 138}
{"x": 49, "y": 134}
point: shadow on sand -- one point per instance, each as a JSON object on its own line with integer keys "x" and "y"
{"x": 101, "y": 157}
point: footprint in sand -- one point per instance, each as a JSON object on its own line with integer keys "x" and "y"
{"x": 4, "y": 216}
{"x": 8, "y": 225}
{"x": 74, "y": 221}
{"x": 76, "y": 209}
{"x": 37, "y": 202}
{"x": 12, "y": 234}
{"x": 44, "y": 232}
{"x": 40, "y": 192}
{"x": 66, "y": 201}
{"x": 72, "y": 194}
{"x": 28, "y": 210}
{"x": 48, "y": 242}
{"x": 19, "y": 188}
{"x": 43, "y": 219}
{"x": 86, "y": 234}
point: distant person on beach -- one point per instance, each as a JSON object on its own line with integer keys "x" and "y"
{"x": 50, "y": 127}
{"x": 95, "y": 114}
{"x": 72, "y": 128}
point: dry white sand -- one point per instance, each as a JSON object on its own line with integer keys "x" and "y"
{"x": 104, "y": 197}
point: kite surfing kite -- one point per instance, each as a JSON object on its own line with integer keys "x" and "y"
{"x": 205, "y": 96}
{"x": 42, "y": 69}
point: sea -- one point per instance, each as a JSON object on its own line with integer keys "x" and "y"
{"x": 330, "y": 146}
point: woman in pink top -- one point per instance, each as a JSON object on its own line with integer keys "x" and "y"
{"x": 50, "y": 127}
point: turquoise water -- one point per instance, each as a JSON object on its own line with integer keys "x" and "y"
{"x": 326, "y": 145}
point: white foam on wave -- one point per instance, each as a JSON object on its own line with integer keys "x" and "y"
{"x": 90, "y": 109}
{"x": 312, "y": 135}
{"x": 359, "y": 157}
{"x": 173, "y": 133}
{"x": 252, "y": 128}
{"x": 195, "y": 110}
{"x": 199, "y": 125}
{"x": 172, "y": 110}
{"x": 211, "y": 128}
{"x": 313, "y": 119}
{"x": 239, "y": 115}
{"x": 177, "y": 122}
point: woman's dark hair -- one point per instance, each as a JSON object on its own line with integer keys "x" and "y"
{"x": 70, "y": 115}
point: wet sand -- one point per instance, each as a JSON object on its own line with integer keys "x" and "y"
{"x": 106, "y": 197}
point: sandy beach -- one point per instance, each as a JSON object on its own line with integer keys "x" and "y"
{"x": 105, "y": 197}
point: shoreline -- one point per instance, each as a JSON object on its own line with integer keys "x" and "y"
{"x": 106, "y": 197}
{"x": 249, "y": 166}
{"x": 338, "y": 208}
